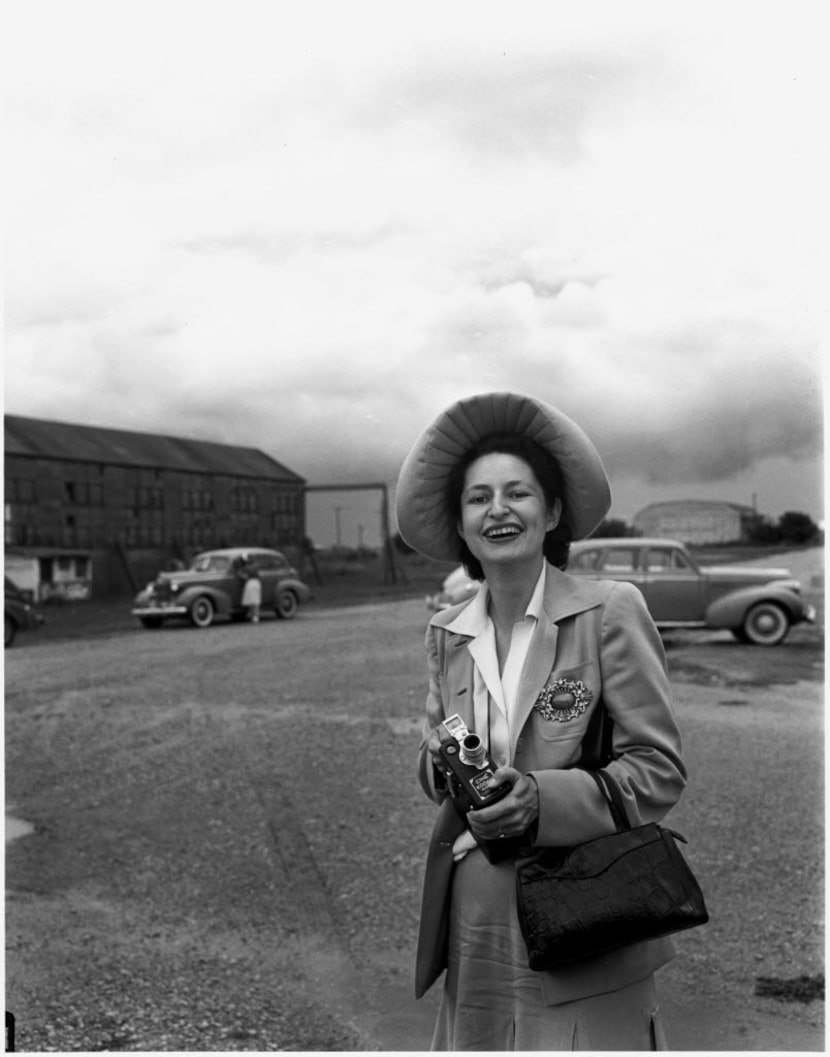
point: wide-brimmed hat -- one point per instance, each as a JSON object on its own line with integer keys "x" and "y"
{"x": 424, "y": 520}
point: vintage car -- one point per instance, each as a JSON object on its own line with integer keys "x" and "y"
{"x": 456, "y": 587}
{"x": 211, "y": 587}
{"x": 758, "y": 605}
{"x": 20, "y": 614}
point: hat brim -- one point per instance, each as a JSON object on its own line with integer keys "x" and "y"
{"x": 424, "y": 520}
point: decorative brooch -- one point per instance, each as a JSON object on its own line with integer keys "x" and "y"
{"x": 563, "y": 699}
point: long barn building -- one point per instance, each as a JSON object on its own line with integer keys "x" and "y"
{"x": 91, "y": 511}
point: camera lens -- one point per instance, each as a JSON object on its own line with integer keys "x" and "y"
{"x": 473, "y": 752}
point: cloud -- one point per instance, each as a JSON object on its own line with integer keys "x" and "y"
{"x": 311, "y": 241}
{"x": 503, "y": 102}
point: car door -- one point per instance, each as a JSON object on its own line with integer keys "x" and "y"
{"x": 268, "y": 570}
{"x": 620, "y": 562}
{"x": 224, "y": 577}
{"x": 672, "y": 586}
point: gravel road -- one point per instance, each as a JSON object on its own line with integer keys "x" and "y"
{"x": 228, "y": 837}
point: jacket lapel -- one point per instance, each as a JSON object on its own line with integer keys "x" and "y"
{"x": 564, "y": 597}
{"x": 460, "y": 679}
{"x": 537, "y": 668}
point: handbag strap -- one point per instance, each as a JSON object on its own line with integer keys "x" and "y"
{"x": 610, "y": 790}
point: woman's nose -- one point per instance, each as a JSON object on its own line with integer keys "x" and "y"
{"x": 498, "y": 504}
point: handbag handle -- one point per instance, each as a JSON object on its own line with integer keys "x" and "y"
{"x": 613, "y": 797}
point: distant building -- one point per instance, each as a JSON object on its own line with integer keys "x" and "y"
{"x": 696, "y": 521}
{"x": 95, "y": 510}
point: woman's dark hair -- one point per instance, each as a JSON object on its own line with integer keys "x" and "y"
{"x": 546, "y": 470}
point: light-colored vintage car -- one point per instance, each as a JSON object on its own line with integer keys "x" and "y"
{"x": 456, "y": 587}
{"x": 757, "y": 604}
{"x": 210, "y": 587}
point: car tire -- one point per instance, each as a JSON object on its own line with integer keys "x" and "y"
{"x": 286, "y": 605}
{"x": 202, "y": 612}
{"x": 9, "y": 632}
{"x": 765, "y": 624}
{"x": 150, "y": 622}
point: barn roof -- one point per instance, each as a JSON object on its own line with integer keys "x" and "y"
{"x": 45, "y": 439}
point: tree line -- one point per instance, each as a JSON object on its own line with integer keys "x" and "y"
{"x": 792, "y": 527}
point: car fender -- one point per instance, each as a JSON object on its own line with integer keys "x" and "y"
{"x": 729, "y": 610}
{"x": 297, "y": 586}
{"x": 220, "y": 599}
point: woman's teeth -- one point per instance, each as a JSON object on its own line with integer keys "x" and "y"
{"x": 502, "y": 533}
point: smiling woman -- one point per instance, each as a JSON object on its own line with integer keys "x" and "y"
{"x": 504, "y": 487}
{"x": 537, "y": 664}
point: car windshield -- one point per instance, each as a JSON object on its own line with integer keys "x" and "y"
{"x": 210, "y": 563}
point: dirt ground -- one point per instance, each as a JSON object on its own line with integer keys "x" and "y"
{"x": 228, "y": 838}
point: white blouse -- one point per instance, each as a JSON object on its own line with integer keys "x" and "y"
{"x": 494, "y": 695}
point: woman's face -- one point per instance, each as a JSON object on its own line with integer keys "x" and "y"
{"x": 504, "y": 513}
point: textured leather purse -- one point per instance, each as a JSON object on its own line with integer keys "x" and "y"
{"x": 629, "y": 886}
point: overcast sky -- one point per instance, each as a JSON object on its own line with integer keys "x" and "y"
{"x": 307, "y": 227}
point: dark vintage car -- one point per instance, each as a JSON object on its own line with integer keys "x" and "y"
{"x": 20, "y": 614}
{"x": 210, "y": 587}
{"x": 757, "y": 604}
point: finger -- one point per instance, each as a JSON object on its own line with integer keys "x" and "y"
{"x": 493, "y": 827}
{"x": 504, "y": 776}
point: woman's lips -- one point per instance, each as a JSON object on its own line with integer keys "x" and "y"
{"x": 502, "y": 532}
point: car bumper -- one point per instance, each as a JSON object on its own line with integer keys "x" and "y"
{"x": 159, "y": 611}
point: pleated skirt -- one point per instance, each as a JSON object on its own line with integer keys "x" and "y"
{"x": 493, "y": 1001}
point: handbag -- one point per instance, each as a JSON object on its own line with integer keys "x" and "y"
{"x": 628, "y": 886}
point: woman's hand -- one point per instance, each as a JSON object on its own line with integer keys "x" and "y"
{"x": 434, "y": 743}
{"x": 511, "y": 816}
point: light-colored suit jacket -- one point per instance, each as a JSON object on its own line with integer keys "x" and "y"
{"x": 597, "y": 636}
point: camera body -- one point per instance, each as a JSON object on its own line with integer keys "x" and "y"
{"x": 468, "y": 768}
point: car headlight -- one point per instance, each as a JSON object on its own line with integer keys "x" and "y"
{"x": 174, "y": 588}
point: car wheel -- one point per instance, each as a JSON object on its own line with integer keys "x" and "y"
{"x": 10, "y": 630}
{"x": 766, "y": 624}
{"x": 202, "y": 612}
{"x": 287, "y": 605}
{"x": 150, "y": 622}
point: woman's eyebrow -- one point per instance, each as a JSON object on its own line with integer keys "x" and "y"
{"x": 508, "y": 484}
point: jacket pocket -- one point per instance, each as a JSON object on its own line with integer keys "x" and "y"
{"x": 564, "y": 706}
